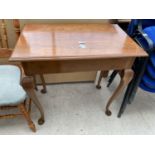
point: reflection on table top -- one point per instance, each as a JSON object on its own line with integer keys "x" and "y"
{"x": 74, "y": 41}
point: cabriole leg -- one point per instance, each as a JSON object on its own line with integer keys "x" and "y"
{"x": 44, "y": 90}
{"x": 103, "y": 74}
{"x": 126, "y": 77}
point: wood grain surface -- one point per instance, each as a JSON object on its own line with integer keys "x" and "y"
{"x": 62, "y": 41}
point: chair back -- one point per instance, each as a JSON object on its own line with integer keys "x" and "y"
{"x": 133, "y": 25}
{"x": 146, "y": 67}
{"x": 5, "y": 50}
{"x": 3, "y": 34}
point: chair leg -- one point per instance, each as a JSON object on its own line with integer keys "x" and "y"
{"x": 111, "y": 78}
{"x": 44, "y": 90}
{"x": 28, "y": 85}
{"x": 126, "y": 77}
{"x": 29, "y": 106}
{"x": 125, "y": 99}
{"x": 27, "y": 117}
{"x": 102, "y": 74}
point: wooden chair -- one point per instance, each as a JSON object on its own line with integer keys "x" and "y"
{"x": 5, "y": 51}
{"x": 12, "y": 94}
{"x": 14, "y": 87}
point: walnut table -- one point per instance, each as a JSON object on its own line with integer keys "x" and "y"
{"x": 63, "y": 48}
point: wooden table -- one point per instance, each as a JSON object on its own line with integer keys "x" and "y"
{"x": 63, "y": 48}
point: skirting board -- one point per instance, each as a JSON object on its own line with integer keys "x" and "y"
{"x": 68, "y": 77}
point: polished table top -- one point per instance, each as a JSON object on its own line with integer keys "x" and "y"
{"x": 74, "y": 41}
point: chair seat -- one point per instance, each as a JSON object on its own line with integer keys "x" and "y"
{"x": 150, "y": 31}
{"x": 151, "y": 71}
{"x": 11, "y": 92}
{"x": 148, "y": 81}
{"x": 144, "y": 87}
{"x": 152, "y": 59}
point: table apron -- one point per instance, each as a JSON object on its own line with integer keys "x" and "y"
{"x": 66, "y": 66}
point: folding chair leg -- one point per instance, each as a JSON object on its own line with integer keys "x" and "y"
{"x": 27, "y": 116}
{"x": 130, "y": 93}
{"x": 127, "y": 97}
{"x": 111, "y": 78}
{"x": 125, "y": 101}
{"x": 126, "y": 77}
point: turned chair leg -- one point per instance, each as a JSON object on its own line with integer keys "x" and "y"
{"x": 111, "y": 78}
{"x": 126, "y": 77}
{"x": 27, "y": 116}
{"x": 103, "y": 74}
